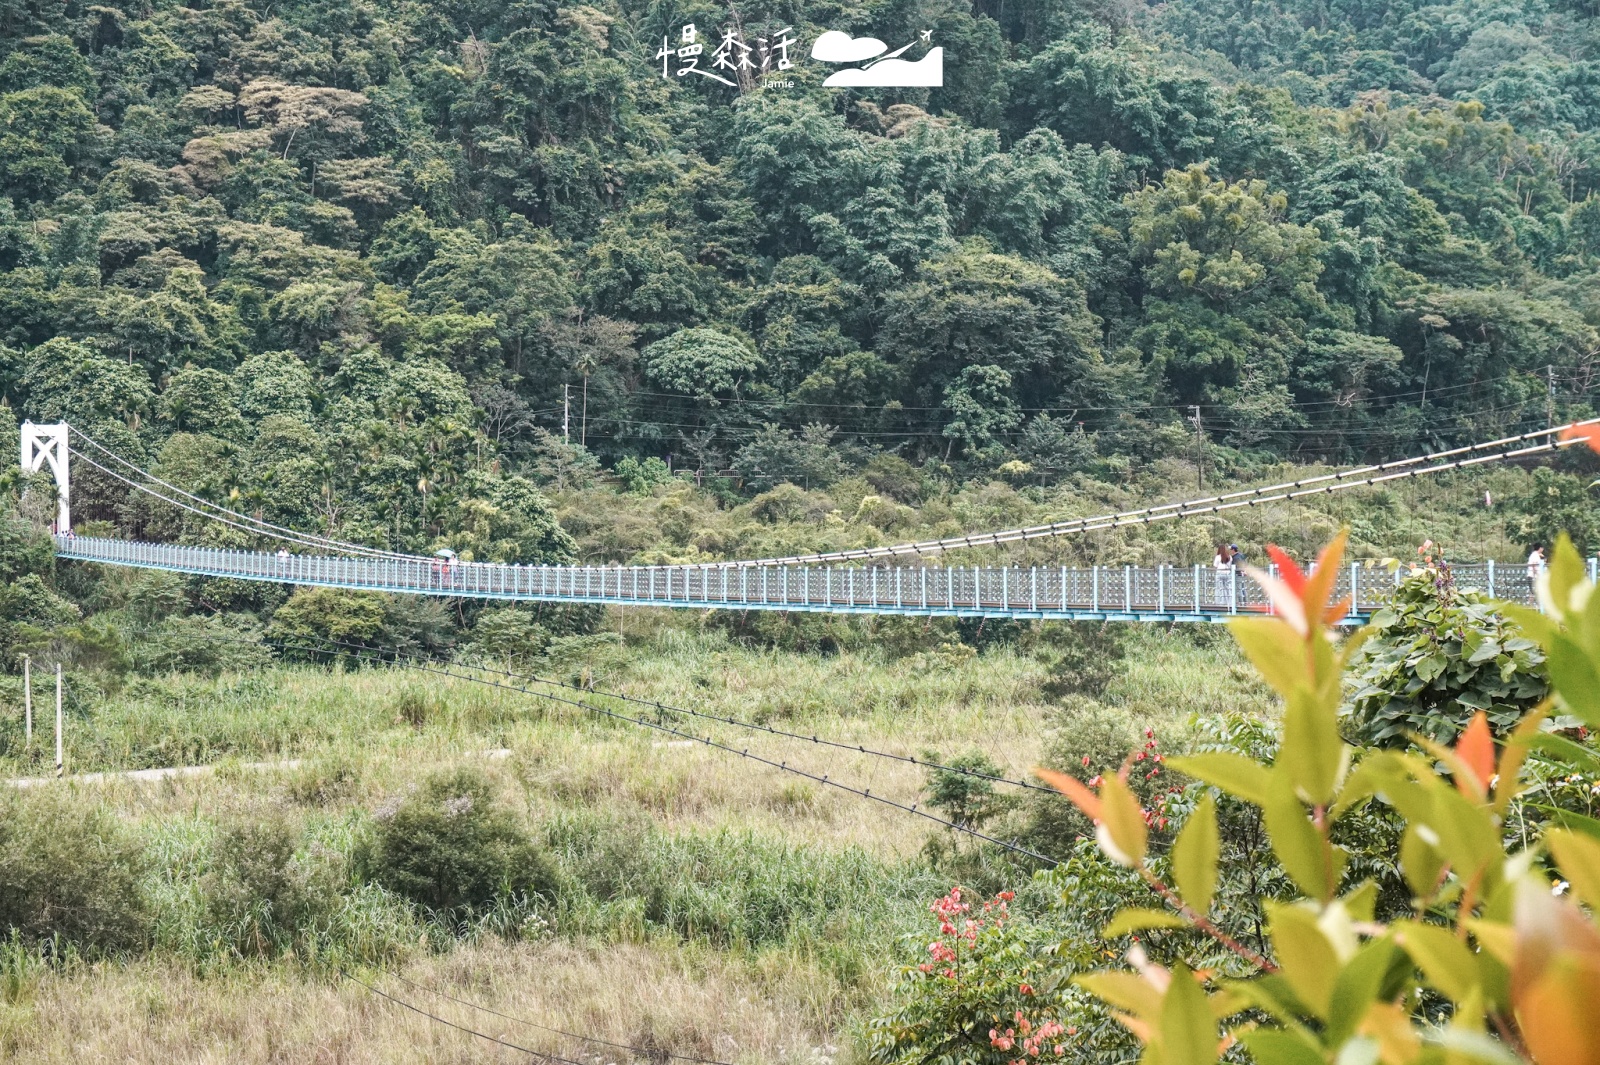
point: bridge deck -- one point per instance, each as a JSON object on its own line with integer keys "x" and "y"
{"x": 1114, "y": 593}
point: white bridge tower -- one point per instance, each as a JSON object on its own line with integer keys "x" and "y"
{"x": 42, "y": 444}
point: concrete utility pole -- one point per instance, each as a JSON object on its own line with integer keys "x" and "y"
{"x": 1549, "y": 396}
{"x": 27, "y": 700}
{"x": 566, "y": 411}
{"x": 61, "y": 763}
{"x": 1199, "y": 446}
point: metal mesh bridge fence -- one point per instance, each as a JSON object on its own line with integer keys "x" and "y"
{"x": 1165, "y": 592}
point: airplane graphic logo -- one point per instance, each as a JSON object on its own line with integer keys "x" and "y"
{"x": 885, "y": 71}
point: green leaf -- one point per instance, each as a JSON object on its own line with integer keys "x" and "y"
{"x": 1276, "y": 650}
{"x": 1567, "y": 750}
{"x": 1444, "y": 960}
{"x": 1188, "y": 1030}
{"x": 1420, "y": 863}
{"x": 1195, "y": 855}
{"x": 1123, "y": 821}
{"x": 1137, "y": 919}
{"x": 1311, "y": 752}
{"x": 1235, "y": 774}
{"x": 1305, "y": 957}
{"x": 1295, "y": 840}
{"x": 1357, "y": 987}
{"x": 1281, "y": 1048}
{"x": 1566, "y": 573}
{"x": 1573, "y": 674}
{"x": 1578, "y": 856}
{"x": 1124, "y": 990}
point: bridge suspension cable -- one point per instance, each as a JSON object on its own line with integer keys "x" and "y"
{"x": 1325, "y": 483}
{"x": 234, "y": 518}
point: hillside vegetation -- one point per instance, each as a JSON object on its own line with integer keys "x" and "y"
{"x": 346, "y": 263}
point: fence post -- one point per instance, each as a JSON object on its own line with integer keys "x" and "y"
{"x": 1161, "y": 588}
{"x": 1491, "y": 577}
{"x": 1127, "y": 589}
{"x": 1355, "y": 587}
{"x": 1197, "y": 587}
{"x": 1094, "y": 588}
{"x": 61, "y": 764}
{"x": 1005, "y": 588}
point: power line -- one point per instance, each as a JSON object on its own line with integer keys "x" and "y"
{"x": 458, "y": 1027}
{"x": 370, "y": 655}
{"x": 642, "y": 1051}
{"x": 720, "y": 719}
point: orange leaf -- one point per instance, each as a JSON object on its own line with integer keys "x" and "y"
{"x": 1074, "y": 789}
{"x": 1285, "y": 600}
{"x": 1337, "y": 612}
{"x": 1475, "y": 748}
{"x": 1589, "y": 434}
{"x": 1320, "y": 585}
{"x": 1288, "y": 569}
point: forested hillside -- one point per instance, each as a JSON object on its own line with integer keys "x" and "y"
{"x": 344, "y": 261}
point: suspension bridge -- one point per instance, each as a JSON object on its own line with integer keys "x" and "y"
{"x": 859, "y": 581}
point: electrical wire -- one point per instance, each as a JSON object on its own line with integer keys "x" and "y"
{"x": 642, "y": 1051}
{"x": 720, "y": 719}
{"x": 1332, "y": 482}
{"x": 373, "y": 656}
{"x": 309, "y": 539}
{"x": 458, "y": 1027}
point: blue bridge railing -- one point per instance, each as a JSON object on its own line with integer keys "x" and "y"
{"x": 1151, "y": 593}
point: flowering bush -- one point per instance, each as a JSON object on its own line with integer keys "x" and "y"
{"x": 1491, "y": 963}
{"x": 989, "y": 990}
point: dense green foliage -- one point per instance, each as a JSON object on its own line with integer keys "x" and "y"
{"x": 448, "y": 845}
{"x": 344, "y": 264}
{"x": 1437, "y": 655}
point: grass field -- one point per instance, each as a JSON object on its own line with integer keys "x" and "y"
{"x": 708, "y": 905}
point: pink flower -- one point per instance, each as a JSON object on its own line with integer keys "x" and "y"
{"x": 1026, "y": 989}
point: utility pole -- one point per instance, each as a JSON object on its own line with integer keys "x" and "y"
{"x": 61, "y": 763}
{"x": 1550, "y": 396}
{"x": 27, "y": 700}
{"x": 1199, "y": 446}
{"x": 566, "y": 411}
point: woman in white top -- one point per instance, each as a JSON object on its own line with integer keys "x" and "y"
{"x": 1222, "y": 572}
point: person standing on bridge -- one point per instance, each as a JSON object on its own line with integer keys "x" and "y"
{"x": 1222, "y": 576}
{"x": 1535, "y": 563}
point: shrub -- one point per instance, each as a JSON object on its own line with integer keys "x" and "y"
{"x": 508, "y": 635}
{"x": 69, "y": 871}
{"x": 208, "y": 644}
{"x": 263, "y": 897}
{"x": 1436, "y": 656}
{"x": 1090, "y": 659}
{"x": 987, "y": 991}
{"x": 1486, "y": 964}
{"x": 1094, "y": 740}
{"x": 448, "y": 845}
